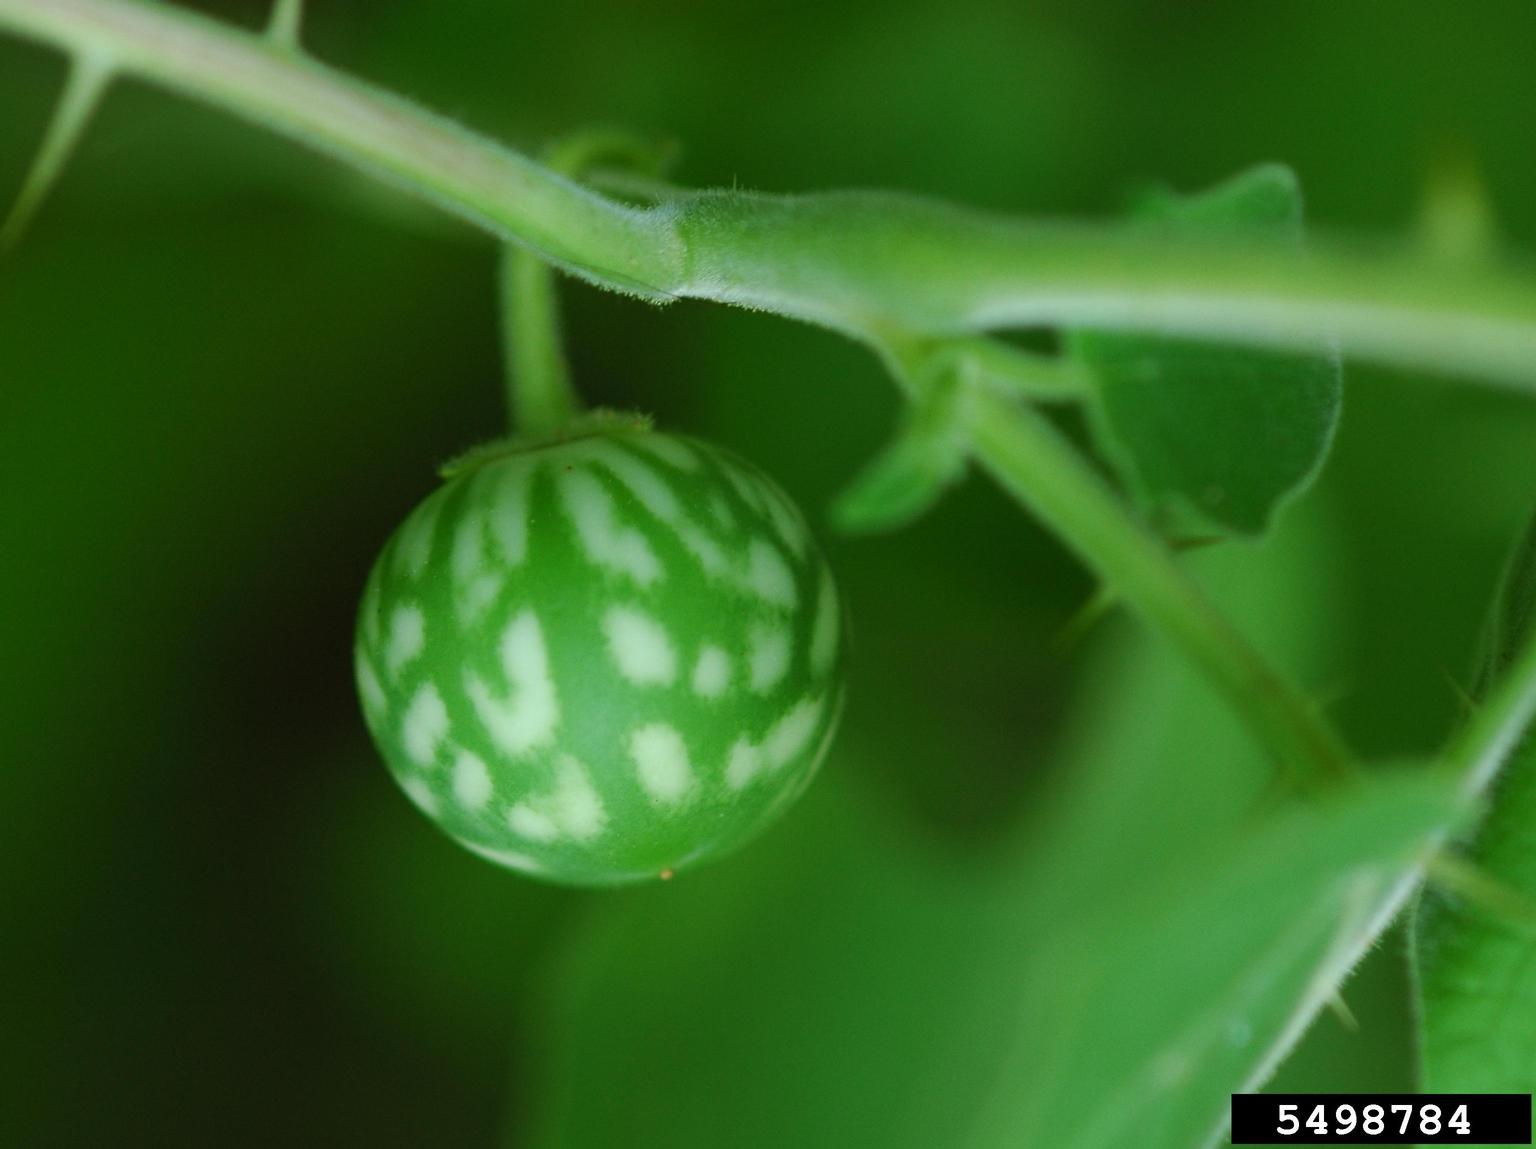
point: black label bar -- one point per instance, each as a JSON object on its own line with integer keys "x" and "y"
{"x": 1381, "y": 1119}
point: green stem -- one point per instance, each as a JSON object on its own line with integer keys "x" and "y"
{"x": 286, "y": 23}
{"x": 875, "y": 263}
{"x": 1022, "y": 374}
{"x": 494, "y": 187}
{"x": 1037, "y": 465}
{"x": 868, "y": 264}
{"x": 540, "y": 395}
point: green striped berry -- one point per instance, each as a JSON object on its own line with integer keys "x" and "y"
{"x": 605, "y": 659}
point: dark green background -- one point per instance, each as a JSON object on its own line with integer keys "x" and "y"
{"x": 228, "y": 368}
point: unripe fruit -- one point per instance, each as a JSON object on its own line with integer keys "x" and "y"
{"x": 605, "y": 659}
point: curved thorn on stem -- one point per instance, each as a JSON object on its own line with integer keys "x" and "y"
{"x": 1464, "y": 879}
{"x": 89, "y": 73}
{"x": 285, "y": 24}
{"x": 1499, "y": 725}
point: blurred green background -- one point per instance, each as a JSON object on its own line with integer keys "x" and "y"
{"x": 228, "y": 368}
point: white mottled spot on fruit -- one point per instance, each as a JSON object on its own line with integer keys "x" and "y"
{"x": 747, "y": 486}
{"x": 468, "y": 547}
{"x": 415, "y": 546}
{"x": 667, "y": 449}
{"x": 421, "y": 794}
{"x": 826, "y": 627}
{"x": 790, "y": 735}
{"x": 655, "y": 494}
{"x": 509, "y": 512}
{"x": 743, "y": 764}
{"x": 808, "y": 766}
{"x": 477, "y": 596}
{"x": 371, "y": 623}
{"x": 787, "y": 521}
{"x": 769, "y": 576}
{"x": 606, "y": 541}
{"x": 712, "y": 672}
{"x": 529, "y": 823}
{"x": 475, "y": 585}
{"x": 407, "y": 638}
{"x": 528, "y": 716}
{"x": 767, "y": 657}
{"x": 511, "y": 860}
{"x": 471, "y": 780}
{"x": 374, "y": 701}
{"x": 575, "y": 804}
{"x": 640, "y": 647}
{"x": 710, "y": 554}
{"x": 571, "y": 808}
{"x": 639, "y": 479}
{"x": 424, "y": 726}
{"x": 662, "y": 759}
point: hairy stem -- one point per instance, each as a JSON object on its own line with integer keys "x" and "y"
{"x": 492, "y": 186}
{"x": 869, "y": 264}
{"x": 880, "y": 263}
{"x": 541, "y": 396}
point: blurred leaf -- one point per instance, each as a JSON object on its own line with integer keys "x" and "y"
{"x": 1477, "y": 967}
{"x": 1182, "y": 990}
{"x": 841, "y": 990}
{"x": 1209, "y": 436}
{"x": 907, "y": 478}
{"x": 829, "y": 987}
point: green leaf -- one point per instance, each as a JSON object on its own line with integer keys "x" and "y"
{"x": 1236, "y": 948}
{"x": 839, "y": 988}
{"x": 1477, "y": 969}
{"x": 1213, "y": 437}
{"x": 1476, "y": 964}
{"x": 924, "y": 459}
